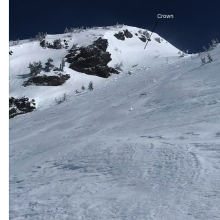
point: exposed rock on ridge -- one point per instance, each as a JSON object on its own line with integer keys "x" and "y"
{"x": 121, "y": 35}
{"x": 92, "y": 59}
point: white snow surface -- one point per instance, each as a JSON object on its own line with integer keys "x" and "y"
{"x": 140, "y": 146}
{"x": 130, "y": 52}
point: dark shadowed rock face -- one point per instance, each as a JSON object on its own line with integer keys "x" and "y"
{"x": 102, "y": 44}
{"x": 143, "y": 38}
{"x": 92, "y": 59}
{"x": 128, "y": 34}
{"x": 101, "y": 71}
{"x": 45, "y": 80}
{"x": 121, "y": 35}
{"x": 20, "y": 106}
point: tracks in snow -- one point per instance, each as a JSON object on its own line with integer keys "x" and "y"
{"x": 120, "y": 179}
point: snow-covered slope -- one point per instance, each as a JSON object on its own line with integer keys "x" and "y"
{"x": 140, "y": 146}
{"x": 130, "y": 52}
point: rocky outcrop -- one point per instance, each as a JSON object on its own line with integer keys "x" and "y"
{"x": 20, "y": 106}
{"x": 121, "y": 35}
{"x": 101, "y": 71}
{"x": 54, "y": 80}
{"x": 157, "y": 39}
{"x": 92, "y": 59}
{"x": 143, "y": 38}
{"x": 128, "y": 34}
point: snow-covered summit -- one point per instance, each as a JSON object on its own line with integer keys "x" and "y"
{"x": 143, "y": 145}
{"x": 129, "y": 51}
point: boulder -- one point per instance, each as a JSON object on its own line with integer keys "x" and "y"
{"x": 143, "y": 38}
{"x": 128, "y": 34}
{"x": 92, "y": 59}
{"x": 120, "y": 36}
{"x": 102, "y": 44}
{"x": 45, "y": 80}
{"x": 157, "y": 39}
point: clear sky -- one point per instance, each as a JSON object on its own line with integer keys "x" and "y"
{"x": 195, "y": 22}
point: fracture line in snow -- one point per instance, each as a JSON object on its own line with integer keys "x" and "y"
{"x": 151, "y": 34}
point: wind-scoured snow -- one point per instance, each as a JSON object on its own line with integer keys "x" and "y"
{"x": 140, "y": 146}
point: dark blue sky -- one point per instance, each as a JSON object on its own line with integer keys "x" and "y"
{"x": 195, "y": 22}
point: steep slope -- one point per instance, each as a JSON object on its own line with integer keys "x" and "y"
{"x": 129, "y": 51}
{"x": 140, "y": 146}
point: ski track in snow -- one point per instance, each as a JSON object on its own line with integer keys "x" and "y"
{"x": 140, "y": 146}
{"x": 122, "y": 180}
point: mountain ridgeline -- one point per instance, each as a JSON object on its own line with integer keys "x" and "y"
{"x": 47, "y": 66}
